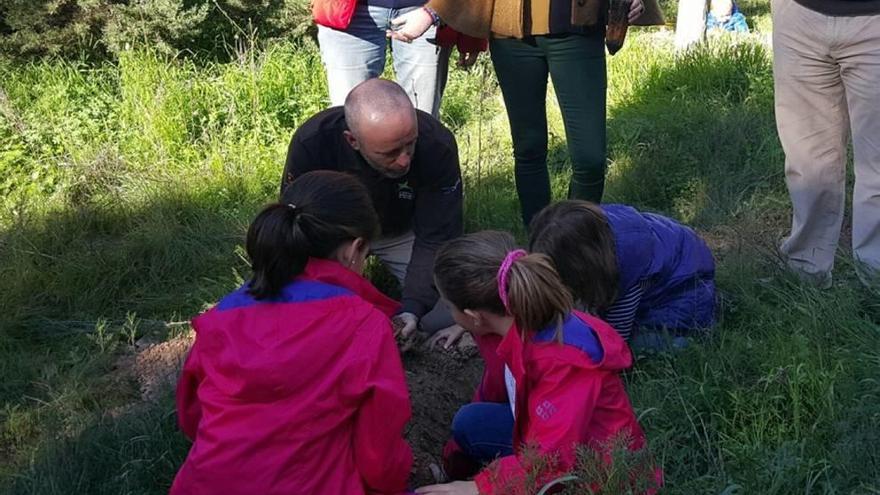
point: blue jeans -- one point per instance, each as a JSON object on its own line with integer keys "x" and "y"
{"x": 576, "y": 64}
{"x": 484, "y": 430}
{"x": 358, "y": 53}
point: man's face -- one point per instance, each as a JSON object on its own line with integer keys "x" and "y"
{"x": 388, "y": 146}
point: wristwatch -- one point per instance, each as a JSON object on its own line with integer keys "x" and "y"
{"x": 435, "y": 18}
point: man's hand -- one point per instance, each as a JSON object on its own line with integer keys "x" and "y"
{"x": 404, "y": 325}
{"x": 410, "y": 26}
{"x": 446, "y": 337}
{"x": 636, "y": 9}
{"x": 454, "y": 488}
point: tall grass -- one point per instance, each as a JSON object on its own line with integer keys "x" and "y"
{"x": 127, "y": 188}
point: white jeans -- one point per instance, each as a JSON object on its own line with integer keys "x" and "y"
{"x": 358, "y": 53}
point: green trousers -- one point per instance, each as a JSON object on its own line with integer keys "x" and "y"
{"x": 576, "y": 64}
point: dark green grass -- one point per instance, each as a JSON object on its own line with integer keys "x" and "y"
{"x": 127, "y": 190}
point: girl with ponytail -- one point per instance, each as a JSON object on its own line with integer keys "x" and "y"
{"x": 554, "y": 371}
{"x": 294, "y": 384}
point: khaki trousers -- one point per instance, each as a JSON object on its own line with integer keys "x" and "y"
{"x": 395, "y": 253}
{"x": 827, "y": 86}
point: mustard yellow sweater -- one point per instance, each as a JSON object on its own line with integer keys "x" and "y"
{"x": 520, "y": 18}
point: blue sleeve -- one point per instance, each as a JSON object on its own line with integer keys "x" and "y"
{"x": 738, "y": 23}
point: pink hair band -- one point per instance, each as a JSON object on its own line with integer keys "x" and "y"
{"x": 505, "y": 270}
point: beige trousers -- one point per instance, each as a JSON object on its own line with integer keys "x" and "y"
{"x": 827, "y": 86}
{"x": 395, "y": 253}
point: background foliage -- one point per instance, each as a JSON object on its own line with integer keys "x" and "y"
{"x": 97, "y": 28}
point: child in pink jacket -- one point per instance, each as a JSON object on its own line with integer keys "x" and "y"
{"x": 294, "y": 384}
{"x": 561, "y": 385}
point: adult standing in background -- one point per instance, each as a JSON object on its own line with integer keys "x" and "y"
{"x": 826, "y": 65}
{"x": 529, "y": 40}
{"x": 353, "y": 49}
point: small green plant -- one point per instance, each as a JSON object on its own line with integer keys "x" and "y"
{"x": 609, "y": 468}
{"x": 103, "y": 336}
{"x": 130, "y": 328}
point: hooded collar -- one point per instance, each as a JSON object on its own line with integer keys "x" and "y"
{"x": 334, "y": 273}
{"x": 613, "y": 354}
{"x": 511, "y": 351}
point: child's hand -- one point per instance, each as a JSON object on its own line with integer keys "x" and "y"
{"x": 410, "y": 26}
{"x": 636, "y": 9}
{"x": 446, "y": 337}
{"x": 466, "y": 60}
{"x": 454, "y": 488}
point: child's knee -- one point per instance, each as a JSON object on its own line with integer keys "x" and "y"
{"x": 464, "y": 422}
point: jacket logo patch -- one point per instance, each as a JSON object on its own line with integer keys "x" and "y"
{"x": 545, "y": 410}
{"x": 451, "y": 189}
{"x": 404, "y": 191}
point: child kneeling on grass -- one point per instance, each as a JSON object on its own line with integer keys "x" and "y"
{"x": 561, "y": 367}
{"x": 643, "y": 273}
{"x": 294, "y": 384}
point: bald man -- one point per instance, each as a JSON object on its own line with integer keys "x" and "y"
{"x": 409, "y": 163}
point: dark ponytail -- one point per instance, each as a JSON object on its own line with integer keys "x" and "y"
{"x": 318, "y": 212}
{"x": 577, "y": 237}
{"x": 466, "y": 272}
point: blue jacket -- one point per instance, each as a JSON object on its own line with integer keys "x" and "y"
{"x": 674, "y": 266}
{"x": 736, "y": 23}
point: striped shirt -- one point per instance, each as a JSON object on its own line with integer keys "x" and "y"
{"x": 622, "y": 314}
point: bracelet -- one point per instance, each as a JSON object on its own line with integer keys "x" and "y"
{"x": 435, "y": 18}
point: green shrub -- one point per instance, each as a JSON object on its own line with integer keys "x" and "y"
{"x": 97, "y": 28}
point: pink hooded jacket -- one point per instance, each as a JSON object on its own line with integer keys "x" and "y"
{"x": 300, "y": 394}
{"x": 567, "y": 394}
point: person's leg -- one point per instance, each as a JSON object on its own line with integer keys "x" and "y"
{"x": 522, "y": 74}
{"x": 812, "y": 121}
{"x": 395, "y": 253}
{"x": 355, "y": 54}
{"x": 484, "y": 430}
{"x": 443, "y": 72}
{"x": 418, "y": 68}
{"x": 577, "y": 68}
{"x": 686, "y": 307}
{"x": 859, "y": 58}
{"x": 649, "y": 341}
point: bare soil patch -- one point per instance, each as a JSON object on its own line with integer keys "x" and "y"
{"x": 439, "y": 383}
